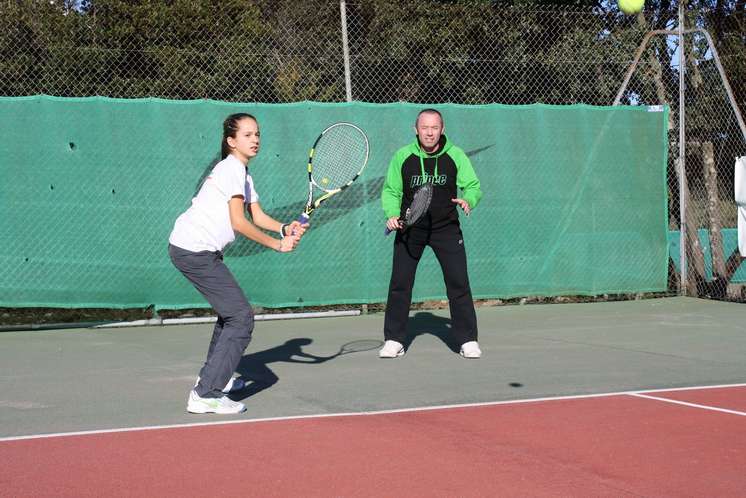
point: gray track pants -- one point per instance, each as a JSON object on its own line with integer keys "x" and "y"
{"x": 209, "y": 275}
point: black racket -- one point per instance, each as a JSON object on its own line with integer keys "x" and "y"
{"x": 359, "y": 346}
{"x": 337, "y": 159}
{"x": 420, "y": 205}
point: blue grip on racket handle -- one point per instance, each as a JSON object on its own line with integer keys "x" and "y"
{"x": 302, "y": 219}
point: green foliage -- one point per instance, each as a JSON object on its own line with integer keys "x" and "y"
{"x": 522, "y": 51}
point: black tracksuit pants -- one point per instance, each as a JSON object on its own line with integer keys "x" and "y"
{"x": 448, "y": 244}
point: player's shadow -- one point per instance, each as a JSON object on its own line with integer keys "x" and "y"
{"x": 254, "y": 370}
{"x": 424, "y": 322}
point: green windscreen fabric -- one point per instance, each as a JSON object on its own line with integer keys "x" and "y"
{"x": 574, "y": 201}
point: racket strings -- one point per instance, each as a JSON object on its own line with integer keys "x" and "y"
{"x": 339, "y": 156}
{"x": 360, "y": 346}
{"x": 420, "y": 203}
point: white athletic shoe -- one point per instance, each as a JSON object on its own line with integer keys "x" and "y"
{"x": 232, "y": 386}
{"x": 471, "y": 350}
{"x": 391, "y": 349}
{"x": 222, "y": 405}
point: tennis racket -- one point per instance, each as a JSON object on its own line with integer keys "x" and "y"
{"x": 358, "y": 346}
{"x": 337, "y": 158}
{"x": 420, "y": 205}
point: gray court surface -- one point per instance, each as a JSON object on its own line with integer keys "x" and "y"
{"x": 91, "y": 379}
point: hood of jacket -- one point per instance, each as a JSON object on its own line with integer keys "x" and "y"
{"x": 416, "y": 149}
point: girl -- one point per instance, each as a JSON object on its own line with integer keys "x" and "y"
{"x": 195, "y": 246}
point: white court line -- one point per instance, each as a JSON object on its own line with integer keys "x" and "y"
{"x": 685, "y": 403}
{"x": 357, "y": 414}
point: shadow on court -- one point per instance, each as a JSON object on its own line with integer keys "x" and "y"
{"x": 425, "y": 322}
{"x": 530, "y": 352}
{"x": 254, "y": 370}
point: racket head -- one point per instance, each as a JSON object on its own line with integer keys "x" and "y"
{"x": 360, "y": 346}
{"x": 420, "y": 204}
{"x": 338, "y": 156}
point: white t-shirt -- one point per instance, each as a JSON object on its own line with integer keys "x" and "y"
{"x": 206, "y": 225}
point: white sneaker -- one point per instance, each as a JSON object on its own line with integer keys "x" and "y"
{"x": 222, "y": 405}
{"x": 391, "y": 349}
{"x": 471, "y": 350}
{"x": 232, "y": 386}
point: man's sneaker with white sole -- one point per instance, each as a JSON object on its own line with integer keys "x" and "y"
{"x": 223, "y": 405}
{"x": 391, "y": 349}
{"x": 471, "y": 350}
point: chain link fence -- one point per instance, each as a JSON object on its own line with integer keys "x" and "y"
{"x": 421, "y": 52}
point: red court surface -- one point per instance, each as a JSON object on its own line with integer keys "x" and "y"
{"x": 724, "y": 398}
{"x": 609, "y": 445}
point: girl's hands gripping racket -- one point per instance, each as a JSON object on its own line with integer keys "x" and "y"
{"x": 336, "y": 159}
{"x": 420, "y": 205}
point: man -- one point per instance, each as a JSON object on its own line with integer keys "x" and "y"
{"x": 430, "y": 158}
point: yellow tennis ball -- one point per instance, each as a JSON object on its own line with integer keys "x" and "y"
{"x": 631, "y": 6}
{"x": 324, "y": 181}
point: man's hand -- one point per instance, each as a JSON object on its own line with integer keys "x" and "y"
{"x": 394, "y": 223}
{"x": 464, "y": 205}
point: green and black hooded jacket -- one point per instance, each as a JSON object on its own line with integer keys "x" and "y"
{"x": 449, "y": 169}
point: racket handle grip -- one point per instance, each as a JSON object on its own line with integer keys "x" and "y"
{"x": 387, "y": 231}
{"x": 302, "y": 219}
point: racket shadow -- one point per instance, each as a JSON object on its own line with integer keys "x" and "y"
{"x": 255, "y": 371}
{"x": 358, "y": 195}
{"x": 426, "y": 323}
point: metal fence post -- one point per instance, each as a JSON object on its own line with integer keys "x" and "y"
{"x": 345, "y": 49}
{"x": 682, "y": 159}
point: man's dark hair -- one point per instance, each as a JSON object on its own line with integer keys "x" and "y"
{"x": 428, "y": 111}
